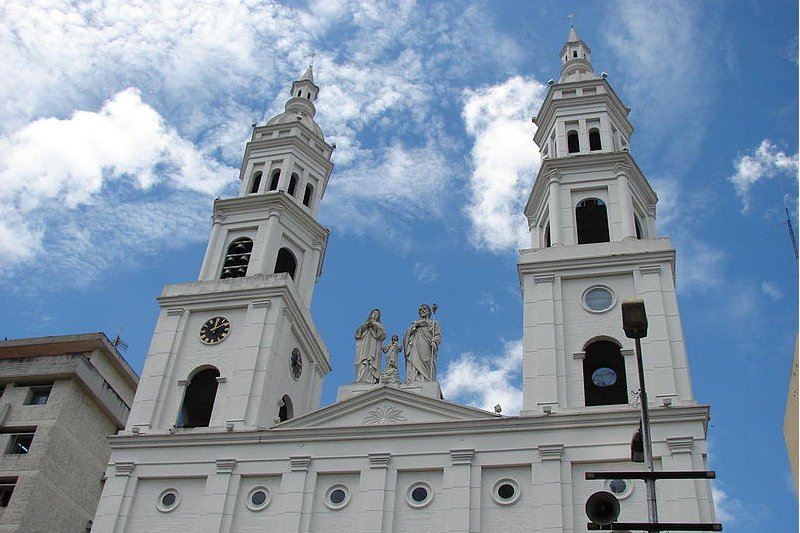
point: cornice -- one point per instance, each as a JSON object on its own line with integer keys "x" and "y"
{"x": 501, "y": 425}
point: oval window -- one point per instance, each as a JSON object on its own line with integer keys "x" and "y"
{"x": 168, "y": 500}
{"x": 505, "y": 491}
{"x": 337, "y": 496}
{"x": 258, "y": 498}
{"x": 598, "y": 299}
{"x": 419, "y": 494}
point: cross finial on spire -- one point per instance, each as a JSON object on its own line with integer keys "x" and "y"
{"x": 312, "y": 55}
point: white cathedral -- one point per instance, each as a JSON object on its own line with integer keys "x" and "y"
{"x": 226, "y": 433}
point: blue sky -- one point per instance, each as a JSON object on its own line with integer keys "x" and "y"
{"x": 122, "y": 120}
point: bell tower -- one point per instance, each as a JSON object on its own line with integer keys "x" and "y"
{"x": 238, "y": 347}
{"x": 591, "y": 215}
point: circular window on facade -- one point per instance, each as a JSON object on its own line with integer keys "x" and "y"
{"x": 621, "y": 488}
{"x": 505, "y": 491}
{"x": 258, "y": 498}
{"x": 168, "y": 500}
{"x": 598, "y": 299}
{"x": 337, "y": 496}
{"x": 604, "y": 377}
{"x": 419, "y": 494}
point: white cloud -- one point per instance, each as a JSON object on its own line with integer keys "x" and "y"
{"x": 771, "y": 290}
{"x": 766, "y": 161}
{"x": 504, "y": 160}
{"x": 484, "y": 382}
{"x": 424, "y": 272}
{"x": 51, "y": 168}
{"x": 727, "y": 509}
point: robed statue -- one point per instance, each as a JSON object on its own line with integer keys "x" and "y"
{"x": 421, "y": 346}
{"x": 369, "y": 344}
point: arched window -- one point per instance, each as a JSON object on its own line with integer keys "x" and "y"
{"x": 604, "y": 381}
{"x": 237, "y": 258}
{"x": 198, "y": 401}
{"x": 638, "y": 225}
{"x": 256, "y": 182}
{"x": 273, "y": 183}
{"x": 286, "y": 410}
{"x": 285, "y": 262}
{"x": 308, "y": 195}
{"x": 547, "y": 236}
{"x": 594, "y": 139}
{"x": 293, "y": 184}
{"x": 574, "y": 53}
{"x": 591, "y": 220}
{"x": 573, "y": 144}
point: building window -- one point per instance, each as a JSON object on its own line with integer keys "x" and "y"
{"x": 237, "y": 258}
{"x": 598, "y": 299}
{"x": 419, "y": 494}
{"x": 638, "y": 226}
{"x": 573, "y": 144}
{"x": 604, "y": 381}
{"x": 258, "y": 498}
{"x": 256, "y": 182}
{"x": 591, "y": 219}
{"x": 308, "y": 195}
{"x": 7, "y": 485}
{"x": 292, "y": 184}
{"x": 168, "y": 500}
{"x": 285, "y": 262}
{"x": 198, "y": 401}
{"x": 337, "y": 496}
{"x": 20, "y": 443}
{"x": 547, "y": 243}
{"x": 505, "y": 491}
{"x": 38, "y": 395}
{"x": 285, "y": 409}
{"x": 594, "y": 139}
{"x": 276, "y": 176}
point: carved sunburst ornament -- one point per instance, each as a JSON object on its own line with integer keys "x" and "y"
{"x": 385, "y": 414}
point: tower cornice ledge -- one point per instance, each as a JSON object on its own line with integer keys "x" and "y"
{"x": 611, "y": 256}
{"x": 603, "y": 165}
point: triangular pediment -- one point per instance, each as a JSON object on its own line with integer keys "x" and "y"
{"x": 386, "y": 405}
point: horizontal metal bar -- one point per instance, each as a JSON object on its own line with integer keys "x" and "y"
{"x": 677, "y": 474}
{"x": 658, "y": 526}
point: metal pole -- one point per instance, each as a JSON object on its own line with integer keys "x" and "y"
{"x": 652, "y": 508}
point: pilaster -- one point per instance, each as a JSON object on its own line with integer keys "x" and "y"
{"x": 373, "y": 489}
{"x": 456, "y": 483}
{"x": 216, "y": 495}
{"x": 293, "y": 487}
{"x": 547, "y": 483}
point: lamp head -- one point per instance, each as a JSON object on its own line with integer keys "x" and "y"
{"x": 634, "y": 319}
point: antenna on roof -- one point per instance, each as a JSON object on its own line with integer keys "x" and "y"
{"x": 118, "y": 343}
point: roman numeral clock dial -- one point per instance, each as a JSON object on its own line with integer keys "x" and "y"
{"x": 215, "y": 330}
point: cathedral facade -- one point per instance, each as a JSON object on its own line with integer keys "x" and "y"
{"x": 226, "y": 433}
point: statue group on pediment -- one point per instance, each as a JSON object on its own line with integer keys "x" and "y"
{"x": 420, "y": 347}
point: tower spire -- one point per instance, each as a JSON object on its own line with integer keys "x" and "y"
{"x": 575, "y": 59}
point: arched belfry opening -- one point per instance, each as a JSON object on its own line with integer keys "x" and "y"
{"x": 308, "y": 195}
{"x": 273, "y": 182}
{"x": 594, "y": 140}
{"x": 293, "y": 184}
{"x": 198, "y": 401}
{"x": 237, "y": 258}
{"x": 285, "y": 409}
{"x": 573, "y": 143}
{"x": 285, "y": 262}
{"x": 604, "y": 381}
{"x": 256, "y": 183}
{"x": 591, "y": 221}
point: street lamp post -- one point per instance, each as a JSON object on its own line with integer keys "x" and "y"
{"x": 634, "y": 322}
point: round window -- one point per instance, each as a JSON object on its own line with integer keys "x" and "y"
{"x": 258, "y": 498}
{"x": 621, "y": 488}
{"x": 598, "y": 299}
{"x": 168, "y": 500}
{"x": 337, "y": 496}
{"x": 419, "y": 494}
{"x": 505, "y": 491}
{"x": 604, "y": 377}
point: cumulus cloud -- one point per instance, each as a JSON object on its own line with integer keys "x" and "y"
{"x": 766, "y": 161}
{"x": 53, "y": 167}
{"x": 504, "y": 160}
{"x": 728, "y": 510}
{"x": 484, "y": 382}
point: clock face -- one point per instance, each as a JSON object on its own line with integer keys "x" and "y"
{"x": 604, "y": 377}
{"x": 215, "y": 330}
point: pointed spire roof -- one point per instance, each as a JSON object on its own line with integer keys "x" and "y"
{"x": 573, "y": 35}
{"x": 308, "y": 75}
